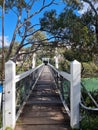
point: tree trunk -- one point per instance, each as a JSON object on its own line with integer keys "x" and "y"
{"x": 97, "y": 31}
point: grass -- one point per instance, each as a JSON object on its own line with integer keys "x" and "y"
{"x": 91, "y": 84}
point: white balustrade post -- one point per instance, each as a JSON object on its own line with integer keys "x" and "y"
{"x": 56, "y": 59}
{"x": 34, "y": 61}
{"x": 75, "y": 93}
{"x": 9, "y": 111}
{"x": 56, "y": 62}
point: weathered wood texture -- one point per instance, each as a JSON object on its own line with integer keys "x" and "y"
{"x": 44, "y": 110}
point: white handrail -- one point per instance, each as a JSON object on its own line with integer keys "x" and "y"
{"x": 75, "y": 86}
{"x": 62, "y": 73}
{"x": 25, "y": 74}
{"x": 88, "y": 108}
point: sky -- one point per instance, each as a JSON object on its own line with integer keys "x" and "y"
{"x": 10, "y": 19}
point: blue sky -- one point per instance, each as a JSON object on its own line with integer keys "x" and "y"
{"x": 10, "y": 18}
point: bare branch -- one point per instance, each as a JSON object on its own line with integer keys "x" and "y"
{"x": 37, "y": 12}
{"x": 32, "y": 33}
{"x": 32, "y": 27}
{"x": 14, "y": 36}
{"x": 44, "y": 2}
{"x": 23, "y": 53}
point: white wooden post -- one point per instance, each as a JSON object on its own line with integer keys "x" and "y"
{"x": 9, "y": 111}
{"x": 56, "y": 62}
{"x": 34, "y": 61}
{"x": 1, "y": 89}
{"x": 56, "y": 59}
{"x": 75, "y": 93}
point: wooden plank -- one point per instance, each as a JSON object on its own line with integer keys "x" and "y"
{"x": 41, "y": 127}
{"x": 44, "y": 109}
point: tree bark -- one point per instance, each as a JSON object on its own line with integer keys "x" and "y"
{"x": 97, "y": 31}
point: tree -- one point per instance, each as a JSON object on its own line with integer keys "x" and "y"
{"x": 69, "y": 29}
{"x": 91, "y": 13}
{"x": 24, "y": 26}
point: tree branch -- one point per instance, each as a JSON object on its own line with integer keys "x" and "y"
{"x": 23, "y": 53}
{"x": 37, "y": 12}
{"x": 14, "y": 36}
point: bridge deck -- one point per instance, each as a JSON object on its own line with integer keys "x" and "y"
{"x": 43, "y": 110}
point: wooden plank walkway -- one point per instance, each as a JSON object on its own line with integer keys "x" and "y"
{"x": 43, "y": 110}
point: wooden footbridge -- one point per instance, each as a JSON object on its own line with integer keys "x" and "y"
{"x": 44, "y": 109}
{"x": 42, "y": 98}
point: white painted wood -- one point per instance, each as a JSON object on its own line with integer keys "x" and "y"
{"x": 1, "y": 89}
{"x": 62, "y": 73}
{"x": 0, "y": 100}
{"x": 75, "y": 93}
{"x": 56, "y": 59}
{"x": 65, "y": 75}
{"x": 9, "y": 106}
{"x": 34, "y": 61}
{"x": 75, "y": 85}
{"x": 25, "y": 74}
{"x": 19, "y": 112}
{"x": 9, "y": 110}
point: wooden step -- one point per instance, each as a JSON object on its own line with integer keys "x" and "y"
{"x": 44, "y": 109}
{"x": 36, "y": 108}
{"x": 44, "y": 95}
{"x": 42, "y": 127}
{"x": 45, "y": 103}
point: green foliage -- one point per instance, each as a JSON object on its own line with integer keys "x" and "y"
{"x": 89, "y": 69}
{"x": 0, "y": 2}
{"x": 72, "y": 54}
{"x": 69, "y": 28}
{"x": 65, "y": 65}
{"x": 38, "y": 61}
{"x": 90, "y": 17}
{"x": 90, "y": 122}
{"x": 75, "y": 4}
{"x": 49, "y": 22}
{"x": 8, "y": 128}
{"x": 69, "y": 55}
{"x": 38, "y": 36}
{"x": 15, "y": 3}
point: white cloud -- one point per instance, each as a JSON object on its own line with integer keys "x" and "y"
{"x": 6, "y": 41}
{"x": 96, "y": 6}
{"x": 85, "y": 8}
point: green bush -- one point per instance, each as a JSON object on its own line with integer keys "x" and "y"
{"x": 90, "y": 122}
{"x": 89, "y": 69}
{"x": 8, "y": 128}
{"x": 64, "y": 66}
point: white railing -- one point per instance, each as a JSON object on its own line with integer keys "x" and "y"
{"x": 9, "y": 91}
{"x": 74, "y": 77}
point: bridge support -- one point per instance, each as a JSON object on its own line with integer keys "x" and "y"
{"x": 34, "y": 61}
{"x": 56, "y": 59}
{"x": 75, "y": 93}
{"x": 9, "y": 105}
